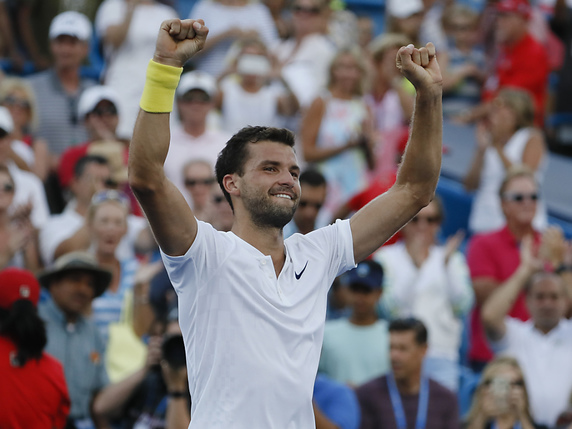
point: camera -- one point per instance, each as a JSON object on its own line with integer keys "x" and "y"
{"x": 173, "y": 350}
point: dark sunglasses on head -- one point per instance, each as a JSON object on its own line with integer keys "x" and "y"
{"x": 519, "y": 198}
{"x": 7, "y": 187}
{"x": 195, "y": 182}
{"x": 16, "y": 102}
{"x": 308, "y": 10}
{"x": 428, "y": 219}
{"x": 304, "y": 204}
{"x": 110, "y": 110}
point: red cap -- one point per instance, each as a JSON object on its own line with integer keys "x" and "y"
{"x": 16, "y": 284}
{"x": 521, "y": 7}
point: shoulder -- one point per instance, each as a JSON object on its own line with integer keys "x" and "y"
{"x": 374, "y": 387}
{"x": 39, "y": 78}
{"x": 438, "y": 390}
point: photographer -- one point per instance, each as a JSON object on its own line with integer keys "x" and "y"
{"x": 501, "y": 399}
{"x": 162, "y": 399}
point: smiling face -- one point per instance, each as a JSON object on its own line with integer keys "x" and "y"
{"x": 268, "y": 189}
{"x": 519, "y": 201}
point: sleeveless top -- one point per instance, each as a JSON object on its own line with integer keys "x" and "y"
{"x": 486, "y": 213}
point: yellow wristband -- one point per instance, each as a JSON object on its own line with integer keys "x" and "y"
{"x": 160, "y": 85}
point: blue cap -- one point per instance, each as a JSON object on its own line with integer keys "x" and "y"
{"x": 367, "y": 273}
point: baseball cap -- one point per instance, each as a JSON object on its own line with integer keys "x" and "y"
{"x": 367, "y": 273}
{"x": 77, "y": 261}
{"x": 196, "y": 80}
{"x": 92, "y": 96}
{"x": 6, "y": 122}
{"x": 15, "y": 284}
{"x": 71, "y": 23}
{"x": 404, "y": 8}
{"x": 521, "y": 7}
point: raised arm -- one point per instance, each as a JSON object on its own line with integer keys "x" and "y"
{"x": 419, "y": 171}
{"x": 169, "y": 215}
{"x": 497, "y": 306}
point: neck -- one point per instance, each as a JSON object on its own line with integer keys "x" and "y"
{"x": 367, "y": 319}
{"x": 505, "y": 421}
{"x": 520, "y": 231}
{"x": 107, "y": 260}
{"x": 409, "y": 384}
{"x": 195, "y": 129}
{"x": 341, "y": 93}
{"x": 545, "y": 329}
{"x": 69, "y": 78}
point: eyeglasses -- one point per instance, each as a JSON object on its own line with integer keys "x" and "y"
{"x": 307, "y": 10}
{"x": 195, "y": 96}
{"x": 16, "y": 102}
{"x": 195, "y": 182}
{"x": 515, "y": 383}
{"x": 111, "y": 195}
{"x": 7, "y": 187}
{"x": 519, "y": 198}
{"x": 429, "y": 219}
{"x": 304, "y": 204}
{"x": 110, "y": 110}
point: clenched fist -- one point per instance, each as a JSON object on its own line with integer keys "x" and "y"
{"x": 420, "y": 66}
{"x": 179, "y": 40}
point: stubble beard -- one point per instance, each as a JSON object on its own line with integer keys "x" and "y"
{"x": 265, "y": 214}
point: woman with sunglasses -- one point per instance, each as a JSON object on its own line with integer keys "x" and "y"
{"x": 17, "y": 96}
{"x": 501, "y": 399}
{"x": 18, "y": 239}
{"x": 507, "y": 138}
{"x": 429, "y": 282}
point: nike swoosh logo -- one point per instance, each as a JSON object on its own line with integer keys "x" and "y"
{"x": 301, "y": 272}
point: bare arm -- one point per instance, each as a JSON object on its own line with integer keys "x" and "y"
{"x": 503, "y": 298}
{"x": 169, "y": 215}
{"x": 418, "y": 175}
{"x": 473, "y": 177}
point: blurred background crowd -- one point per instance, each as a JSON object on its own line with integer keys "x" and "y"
{"x": 460, "y": 320}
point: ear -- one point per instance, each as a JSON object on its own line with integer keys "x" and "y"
{"x": 230, "y": 183}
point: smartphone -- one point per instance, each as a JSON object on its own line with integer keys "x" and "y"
{"x": 500, "y": 389}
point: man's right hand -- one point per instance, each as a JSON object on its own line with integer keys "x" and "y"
{"x": 179, "y": 40}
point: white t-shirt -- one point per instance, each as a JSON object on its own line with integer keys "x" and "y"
{"x": 253, "y": 340}
{"x": 185, "y": 148}
{"x": 546, "y": 362}
{"x": 29, "y": 188}
{"x": 127, "y": 65}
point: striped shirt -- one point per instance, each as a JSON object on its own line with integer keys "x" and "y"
{"x": 107, "y": 308}
{"x": 57, "y": 111}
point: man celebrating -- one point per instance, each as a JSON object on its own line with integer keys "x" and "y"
{"x": 252, "y": 305}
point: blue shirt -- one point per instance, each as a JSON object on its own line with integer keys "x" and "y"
{"x": 337, "y": 401}
{"x": 79, "y": 348}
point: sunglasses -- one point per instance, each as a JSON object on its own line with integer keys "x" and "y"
{"x": 307, "y": 10}
{"x": 195, "y": 182}
{"x": 17, "y": 102}
{"x": 519, "y": 198}
{"x": 7, "y": 187}
{"x": 429, "y": 219}
{"x": 111, "y": 195}
{"x": 304, "y": 204}
{"x": 110, "y": 110}
{"x": 193, "y": 96}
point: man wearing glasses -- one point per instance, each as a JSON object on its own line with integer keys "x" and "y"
{"x": 314, "y": 189}
{"x": 493, "y": 258}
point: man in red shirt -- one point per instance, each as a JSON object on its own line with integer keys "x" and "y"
{"x": 522, "y": 61}
{"x": 493, "y": 258}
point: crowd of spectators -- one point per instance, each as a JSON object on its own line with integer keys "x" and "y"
{"x": 88, "y": 316}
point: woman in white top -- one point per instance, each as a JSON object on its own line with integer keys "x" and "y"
{"x": 508, "y": 139}
{"x": 229, "y": 21}
{"x": 336, "y": 132}
{"x": 252, "y": 91}
{"x": 128, "y": 29}
{"x": 430, "y": 282}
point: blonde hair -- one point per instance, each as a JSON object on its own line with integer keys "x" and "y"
{"x": 10, "y": 84}
{"x": 458, "y": 11}
{"x": 488, "y": 374}
{"x": 514, "y": 172}
{"x": 358, "y": 56}
{"x": 521, "y": 103}
{"x": 379, "y": 46}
